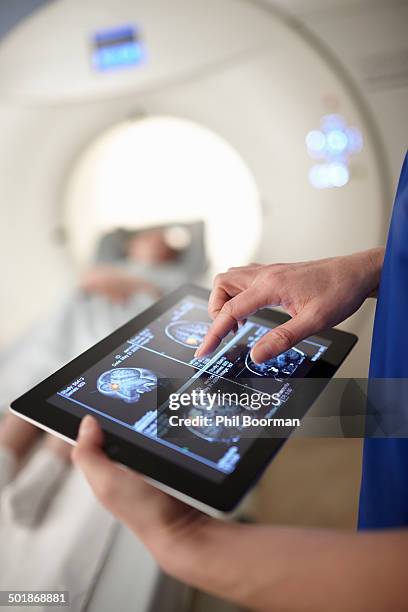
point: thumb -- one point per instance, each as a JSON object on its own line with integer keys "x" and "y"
{"x": 115, "y": 486}
{"x": 143, "y": 508}
{"x": 90, "y": 434}
{"x": 283, "y": 337}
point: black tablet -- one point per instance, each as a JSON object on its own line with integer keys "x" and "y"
{"x": 198, "y": 428}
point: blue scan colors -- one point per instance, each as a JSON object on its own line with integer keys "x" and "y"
{"x": 127, "y": 384}
{"x": 188, "y": 333}
{"x": 281, "y": 366}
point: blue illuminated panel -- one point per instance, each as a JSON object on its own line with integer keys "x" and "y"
{"x": 115, "y": 48}
{"x": 332, "y": 146}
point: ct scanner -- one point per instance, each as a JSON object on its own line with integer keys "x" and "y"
{"x": 233, "y": 67}
{"x": 225, "y": 94}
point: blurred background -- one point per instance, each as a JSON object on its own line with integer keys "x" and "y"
{"x": 147, "y": 143}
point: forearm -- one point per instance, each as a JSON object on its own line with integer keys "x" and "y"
{"x": 296, "y": 570}
{"x": 372, "y": 263}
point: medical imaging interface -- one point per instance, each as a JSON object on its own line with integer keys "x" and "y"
{"x": 132, "y": 386}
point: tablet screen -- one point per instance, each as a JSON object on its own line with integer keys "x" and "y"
{"x": 143, "y": 387}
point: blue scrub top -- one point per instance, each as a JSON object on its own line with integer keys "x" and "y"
{"x": 384, "y": 487}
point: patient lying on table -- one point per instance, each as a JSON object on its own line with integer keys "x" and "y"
{"x": 131, "y": 270}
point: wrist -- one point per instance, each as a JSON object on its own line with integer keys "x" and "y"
{"x": 368, "y": 265}
{"x": 375, "y": 260}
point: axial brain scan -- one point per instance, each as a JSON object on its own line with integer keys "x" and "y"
{"x": 280, "y": 366}
{"x": 188, "y": 333}
{"x": 127, "y": 384}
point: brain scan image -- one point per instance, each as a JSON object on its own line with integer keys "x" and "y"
{"x": 127, "y": 384}
{"x": 213, "y": 432}
{"x": 281, "y": 366}
{"x": 188, "y": 333}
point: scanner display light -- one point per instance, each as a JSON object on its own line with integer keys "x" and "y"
{"x": 338, "y": 175}
{"x": 332, "y": 145}
{"x": 324, "y": 176}
{"x": 315, "y": 141}
{"x": 337, "y": 141}
{"x": 115, "y": 48}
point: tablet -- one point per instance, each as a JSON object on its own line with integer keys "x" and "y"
{"x": 194, "y": 427}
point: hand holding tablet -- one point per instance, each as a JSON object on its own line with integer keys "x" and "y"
{"x": 126, "y": 382}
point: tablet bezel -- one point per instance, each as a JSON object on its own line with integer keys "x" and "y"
{"x": 222, "y": 496}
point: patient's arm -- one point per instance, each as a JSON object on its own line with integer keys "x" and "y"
{"x": 27, "y": 498}
{"x": 27, "y": 488}
{"x": 17, "y": 436}
{"x": 115, "y": 283}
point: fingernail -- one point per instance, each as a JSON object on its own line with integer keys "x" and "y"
{"x": 198, "y": 352}
{"x": 86, "y": 427}
{"x": 254, "y": 359}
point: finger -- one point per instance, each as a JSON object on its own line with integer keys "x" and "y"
{"x": 229, "y": 285}
{"x": 122, "y": 491}
{"x": 233, "y": 311}
{"x": 283, "y": 337}
{"x": 217, "y": 299}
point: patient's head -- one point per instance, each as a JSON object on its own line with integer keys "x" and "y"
{"x": 151, "y": 247}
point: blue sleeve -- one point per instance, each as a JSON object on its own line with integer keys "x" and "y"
{"x": 384, "y": 486}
